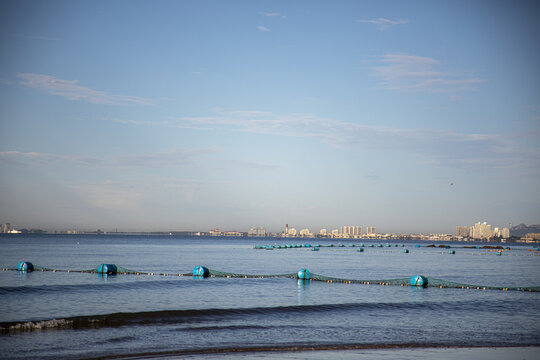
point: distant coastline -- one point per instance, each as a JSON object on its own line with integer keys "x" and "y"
{"x": 280, "y": 237}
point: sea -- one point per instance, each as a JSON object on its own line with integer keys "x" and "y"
{"x": 163, "y": 312}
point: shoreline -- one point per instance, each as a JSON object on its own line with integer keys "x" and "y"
{"x": 356, "y": 351}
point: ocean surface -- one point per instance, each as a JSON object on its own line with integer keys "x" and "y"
{"x": 74, "y": 315}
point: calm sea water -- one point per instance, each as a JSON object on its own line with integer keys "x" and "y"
{"x": 85, "y": 315}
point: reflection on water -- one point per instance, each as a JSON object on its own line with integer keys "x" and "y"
{"x": 303, "y": 291}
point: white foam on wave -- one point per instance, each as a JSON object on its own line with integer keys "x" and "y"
{"x": 40, "y": 325}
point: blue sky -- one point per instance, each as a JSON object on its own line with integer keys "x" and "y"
{"x": 190, "y": 115}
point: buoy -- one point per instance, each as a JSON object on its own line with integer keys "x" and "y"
{"x": 417, "y": 245}
{"x": 419, "y": 280}
{"x": 451, "y": 251}
{"x": 405, "y": 251}
{"x": 304, "y": 274}
{"x": 315, "y": 249}
{"x": 201, "y": 271}
{"x": 107, "y": 269}
{"x": 25, "y": 266}
{"x": 360, "y": 250}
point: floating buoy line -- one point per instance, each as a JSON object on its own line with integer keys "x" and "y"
{"x": 489, "y": 250}
{"x": 201, "y": 272}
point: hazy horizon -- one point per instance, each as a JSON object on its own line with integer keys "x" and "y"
{"x": 192, "y": 115}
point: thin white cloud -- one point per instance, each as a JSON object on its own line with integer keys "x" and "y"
{"x": 416, "y": 73}
{"x": 441, "y": 147}
{"x": 110, "y": 196}
{"x": 177, "y": 157}
{"x": 384, "y": 24}
{"x": 263, "y": 28}
{"x": 18, "y": 157}
{"x": 71, "y": 90}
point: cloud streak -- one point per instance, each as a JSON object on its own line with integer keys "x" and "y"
{"x": 405, "y": 72}
{"x": 177, "y": 157}
{"x": 439, "y": 147}
{"x": 263, "y": 28}
{"x": 72, "y": 90}
{"x": 384, "y": 24}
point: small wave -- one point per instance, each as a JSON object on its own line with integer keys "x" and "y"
{"x": 197, "y": 315}
{"x": 39, "y": 325}
{"x": 75, "y": 288}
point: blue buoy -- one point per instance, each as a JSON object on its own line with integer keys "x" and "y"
{"x": 406, "y": 251}
{"x": 25, "y": 266}
{"x": 451, "y": 251}
{"x": 315, "y": 249}
{"x": 360, "y": 250}
{"x": 419, "y": 280}
{"x": 417, "y": 245}
{"x": 107, "y": 269}
{"x": 201, "y": 271}
{"x": 304, "y": 274}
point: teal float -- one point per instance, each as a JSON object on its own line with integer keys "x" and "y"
{"x": 25, "y": 266}
{"x": 304, "y": 274}
{"x": 201, "y": 271}
{"x": 107, "y": 269}
{"x": 419, "y": 281}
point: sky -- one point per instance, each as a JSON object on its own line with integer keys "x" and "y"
{"x": 410, "y": 116}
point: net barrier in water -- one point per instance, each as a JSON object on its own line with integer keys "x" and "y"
{"x": 488, "y": 248}
{"x": 302, "y": 274}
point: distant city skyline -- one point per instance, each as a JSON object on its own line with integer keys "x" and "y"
{"x": 410, "y": 116}
{"x": 480, "y": 230}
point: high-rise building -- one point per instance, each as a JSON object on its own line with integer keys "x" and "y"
{"x": 352, "y": 231}
{"x": 462, "y": 231}
{"x": 371, "y": 230}
{"x": 481, "y": 231}
{"x": 257, "y": 231}
{"x": 291, "y": 231}
{"x": 305, "y": 233}
{"x": 6, "y": 228}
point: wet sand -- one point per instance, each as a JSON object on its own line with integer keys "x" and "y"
{"x": 394, "y": 353}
